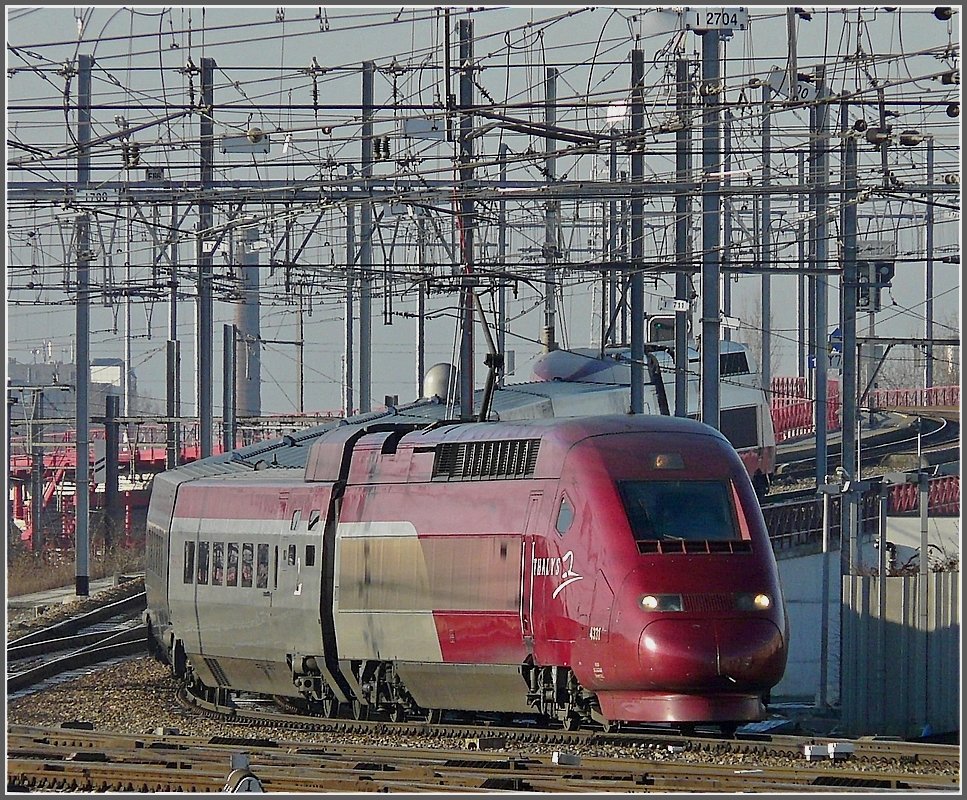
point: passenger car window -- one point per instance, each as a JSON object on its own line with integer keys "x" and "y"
{"x": 291, "y": 555}
{"x": 203, "y": 562}
{"x": 296, "y": 518}
{"x": 189, "y": 562}
{"x": 262, "y": 567}
{"x": 247, "y": 554}
{"x": 218, "y": 550}
{"x": 314, "y": 517}
{"x": 231, "y": 574}
{"x": 310, "y": 555}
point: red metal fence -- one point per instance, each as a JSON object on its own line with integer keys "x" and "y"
{"x": 943, "y": 497}
{"x": 934, "y": 397}
{"x": 792, "y": 407}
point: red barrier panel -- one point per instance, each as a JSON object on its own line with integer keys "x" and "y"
{"x": 943, "y": 497}
{"x": 792, "y": 408}
{"x": 934, "y": 397}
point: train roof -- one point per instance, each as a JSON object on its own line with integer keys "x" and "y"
{"x": 534, "y": 400}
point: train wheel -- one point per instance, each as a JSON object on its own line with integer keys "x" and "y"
{"x": 432, "y": 716}
{"x": 572, "y": 721}
{"x": 397, "y": 713}
{"x": 611, "y": 726}
{"x": 329, "y": 706}
{"x": 360, "y": 712}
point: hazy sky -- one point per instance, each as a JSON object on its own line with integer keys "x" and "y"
{"x": 264, "y": 78}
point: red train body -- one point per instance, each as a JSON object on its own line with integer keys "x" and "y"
{"x": 608, "y": 568}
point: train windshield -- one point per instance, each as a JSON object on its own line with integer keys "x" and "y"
{"x": 682, "y": 510}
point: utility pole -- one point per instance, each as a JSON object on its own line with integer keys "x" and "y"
{"x": 82, "y": 335}
{"x": 711, "y": 216}
{"x": 466, "y": 220}
{"x": 551, "y": 211}
{"x": 821, "y": 260}
{"x": 348, "y": 399}
{"x": 637, "y": 234}
{"x": 205, "y": 312}
{"x": 802, "y": 344}
{"x": 112, "y": 507}
{"x": 849, "y": 294}
{"x": 766, "y": 253}
{"x": 229, "y": 388}
{"x": 37, "y": 472}
{"x": 366, "y": 247}
{"x": 248, "y": 380}
{"x": 300, "y": 333}
{"x": 726, "y": 257}
{"x": 502, "y": 155}
{"x": 614, "y": 274}
{"x": 928, "y": 287}
{"x": 173, "y": 353}
{"x": 421, "y": 306}
{"x": 683, "y": 159}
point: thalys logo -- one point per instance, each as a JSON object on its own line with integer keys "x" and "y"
{"x": 553, "y": 567}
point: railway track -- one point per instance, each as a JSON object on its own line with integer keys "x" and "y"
{"x": 109, "y": 632}
{"x": 868, "y": 751}
{"x": 92, "y": 761}
{"x": 938, "y": 444}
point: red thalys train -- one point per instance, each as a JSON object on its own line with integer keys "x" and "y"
{"x": 609, "y": 568}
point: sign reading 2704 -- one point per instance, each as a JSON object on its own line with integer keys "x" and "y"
{"x": 710, "y": 18}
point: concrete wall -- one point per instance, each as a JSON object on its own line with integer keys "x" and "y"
{"x": 801, "y": 579}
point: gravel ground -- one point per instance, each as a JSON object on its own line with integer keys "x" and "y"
{"x": 138, "y": 695}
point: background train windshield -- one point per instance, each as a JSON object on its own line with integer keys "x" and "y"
{"x": 687, "y": 510}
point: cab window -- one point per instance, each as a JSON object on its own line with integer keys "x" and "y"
{"x": 683, "y": 510}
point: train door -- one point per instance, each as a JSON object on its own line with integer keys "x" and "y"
{"x": 528, "y": 554}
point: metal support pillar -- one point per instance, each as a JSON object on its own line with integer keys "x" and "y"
{"x": 849, "y": 296}
{"x": 348, "y": 408}
{"x": 112, "y": 431}
{"x": 229, "y": 391}
{"x": 248, "y": 378}
{"x": 37, "y": 473}
{"x": 82, "y": 336}
{"x": 205, "y": 311}
{"x": 466, "y": 219}
{"x": 766, "y": 232}
{"x": 502, "y": 155}
{"x": 551, "y": 212}
{"x": 173, "y": 353}
{"x": 726, "y": 251}
{"x": 821, "y": 260}
{"x": 366, "y": 247}
{"x": 683, "y": 159}
{"x": 711, "y": 216}
{"x": 637, "y": 234}
{"x": 802, "y": 346}
{"x": 928, "y": 287}
{"x": 613, "y": 274}
{"x": 172, "y": 406}
{"x": 421, "y": 305}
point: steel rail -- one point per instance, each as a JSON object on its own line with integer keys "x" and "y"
{"x": 68, "y": 627}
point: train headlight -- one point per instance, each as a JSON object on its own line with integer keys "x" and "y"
{"x": 749, "y": 601}
{"x": 661, "y": 602}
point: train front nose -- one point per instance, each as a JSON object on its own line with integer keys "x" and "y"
{"x": 678, "y": 654}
